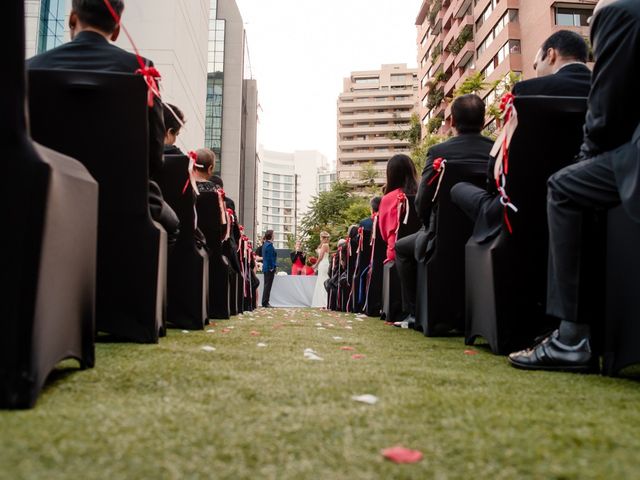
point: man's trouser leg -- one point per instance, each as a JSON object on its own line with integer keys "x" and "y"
{"x": 268, "y": 282}
{"x": 469, "y": 198}
{"x": 408, "y": 271}
{"x": 573, "y": 191}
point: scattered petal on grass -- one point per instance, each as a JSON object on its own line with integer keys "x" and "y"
{"x": 348, "y": 349}
{"x": 211, "y": 330}
{"x": 366, "y": 398}
{"x": 312, "y": 355}
{"x": 261, "y": 345}
{"x": 185, "y": 331}
{"x": 470, "y": 352}
{"x": 402, "y": 455}
{"x": 226, "y": 330}
{"x": 360, "y": 319}
{"x": 358, "y": 356}
{"x": 337, "y": 339}
{"x": 321, "y": 328}
{"x": 349, "y": 327}
{"x": 278, "y": 325}
{"x": 318, "y": 324}
{"x": 208, "y": 348}
{"x": 389, "y": 323}
{"x": 255, "y": 333}
{"x": 349, "y": 321}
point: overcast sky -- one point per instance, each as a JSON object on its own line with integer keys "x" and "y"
{"x": 302, "y": 49}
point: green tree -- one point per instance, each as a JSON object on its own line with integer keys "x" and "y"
{"x": 474, "y": 83}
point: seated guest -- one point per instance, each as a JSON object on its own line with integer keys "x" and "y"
{"x": 606, "y": 175}
{"x": 561, "y": 69}
{"x": 470, "y": 149}
{"x": 217, "y": 181}
{"x": 367, "y": 223}
{"x": 401, "y": 181}
{"x": 92, "y": 28}
{"x": 173, "y": 126}
{"x": 202, "y": 168}
{"x": 298, "y": 260}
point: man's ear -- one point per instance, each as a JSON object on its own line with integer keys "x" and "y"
{"x": 115, "y": 34}
{"x": 73, "y": 23}
{"x": 552, "y": 55}
{"x": 210, "y": 170}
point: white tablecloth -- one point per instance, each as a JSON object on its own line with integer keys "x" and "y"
{"x": 290, "y": 290}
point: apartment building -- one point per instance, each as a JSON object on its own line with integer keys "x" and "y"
{"x": 458, "y": 38}
{"x": 373, "y": 104}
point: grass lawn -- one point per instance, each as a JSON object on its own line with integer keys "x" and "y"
{"x": 175, "y": 411}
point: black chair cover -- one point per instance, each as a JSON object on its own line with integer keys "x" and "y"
{"x": 391, "y": 289}
{"x": 506, "y": 276}
{"x": 131, "y": 268}
{"x": 373, "y": 298}
{"x": 622, "y": 292}
{"x": 188, "y": 274}
{"x": 48, "y": 264}
{"x": 362, "y": 258}
{"x": 210, "y": 217}
{"x": 440, "y": 291}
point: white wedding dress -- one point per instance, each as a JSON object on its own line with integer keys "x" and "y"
{"x": 320, "y": 293}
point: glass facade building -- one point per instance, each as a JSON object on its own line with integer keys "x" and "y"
{"x": 51, "y": 24}
{"x": 215, "y": 85}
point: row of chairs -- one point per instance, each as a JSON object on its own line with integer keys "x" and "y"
{"x": 84, "y": 256}
{"x": 494, "y": 287}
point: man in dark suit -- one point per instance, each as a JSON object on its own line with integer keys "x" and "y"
{"x": 562, "y": 71}
{"x": 92, "y": 28}
{"x": 470, "y": 150}
{"x": 607, "y": 174}
{"x": 367, "y": 223}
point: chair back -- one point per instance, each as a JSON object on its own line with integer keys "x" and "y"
{"x": 105, "y": 127}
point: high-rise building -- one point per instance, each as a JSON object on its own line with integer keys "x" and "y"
{"x": 373, "y": 105}
{"x": 289, "y": 183}
{"x": 326, "y": 179}
{"x": 458, "y": 38}
{"x": 232, "y": 109}
{"x": 172, "y": 34}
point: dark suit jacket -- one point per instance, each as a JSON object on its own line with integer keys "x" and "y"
{"x": 91, "y": 51}
{"x": 367, "y": 224}
{"x": 472, "y": 150}
{"x": 614, "y": 104}
{"x": 573, "y": 80}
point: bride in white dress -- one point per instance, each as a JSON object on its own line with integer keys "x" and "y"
{"x": 322, "y": 267}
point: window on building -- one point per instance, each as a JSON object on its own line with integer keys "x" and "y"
{"x": 484, "y": 16}
{"x": 573, "y": 17}
{"x": 398, "y": 77}
{"x": 366, "y": 80}
{"x": 51, "y": 25}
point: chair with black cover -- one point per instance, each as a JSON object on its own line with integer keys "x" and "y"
{"x": 506, "y": 275}
{"x": 210, "y": 222}
{"x": 391, "y": 289}
{"x": 132, "y": 248}
{"x": 362, "y": 257}
{"x": 48, "y": 264}
{"x": 373, "y": 298}
{"x": 440, "y": 271}
{"x": 229, "y": 251}
{"x": 188, "y": 273}
{"x": 622, "y": 330}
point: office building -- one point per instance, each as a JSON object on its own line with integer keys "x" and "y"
{"x": 289, "y": 183}
{"x": 458, "y": 38}
{"x": 372, "y": 105}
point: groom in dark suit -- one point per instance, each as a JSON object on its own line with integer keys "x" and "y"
{"x": 92, "y": 29}
{"x": 606, "y": 175}
{"x": 562, "y": 71}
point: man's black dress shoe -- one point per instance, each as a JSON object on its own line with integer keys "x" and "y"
{"x": 551, "y": 354}
{"x": 268, "y": 305}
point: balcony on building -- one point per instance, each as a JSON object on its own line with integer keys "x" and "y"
{"x": 345, "y": 118}
{"x": 364, "y": 129}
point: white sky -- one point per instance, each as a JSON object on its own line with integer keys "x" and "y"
{"x": 302, "y": 49}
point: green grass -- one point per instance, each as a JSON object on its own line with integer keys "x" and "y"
{"x": 173, "y": 411}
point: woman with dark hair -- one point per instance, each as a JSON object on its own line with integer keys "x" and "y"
{"x": 402, "y": 180}
{"x": 173, "y": 122}
{"x": 203, "y": 167}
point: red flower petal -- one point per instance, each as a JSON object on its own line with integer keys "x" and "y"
{"x": 357, "y": 356}
{"x": 388, "y": 323}
{"x": 349, "y": 349}
{"x": 402, "y": 455}
{"x": 254, "y": 333}
{"x": 470, "y": 352}
{"x": 226, "y": 330}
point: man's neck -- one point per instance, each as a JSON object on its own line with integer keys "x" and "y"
{"x": 83, "y": 29}
{"x": 567, "y": 63}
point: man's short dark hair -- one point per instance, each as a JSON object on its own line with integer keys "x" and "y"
{"x": 468, "y": 113}
{"x": 96, "y": 14}
{"x": 268, "y": 235}
{"x": 568, "y": 44}
{"x": 375, "y": 203}
{"x": 170, "y": 121}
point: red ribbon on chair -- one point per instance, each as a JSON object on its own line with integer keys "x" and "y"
{"x": 193, "y": 158}
{"x": 150, "y": 74}
{"x": 507, "y": 107}
{"x": 221, "y": 204}
{"x": 403, "y": 207}
{"x": 360, "y": 239}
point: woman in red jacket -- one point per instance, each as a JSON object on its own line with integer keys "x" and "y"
{"x": 402, "y": 180}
